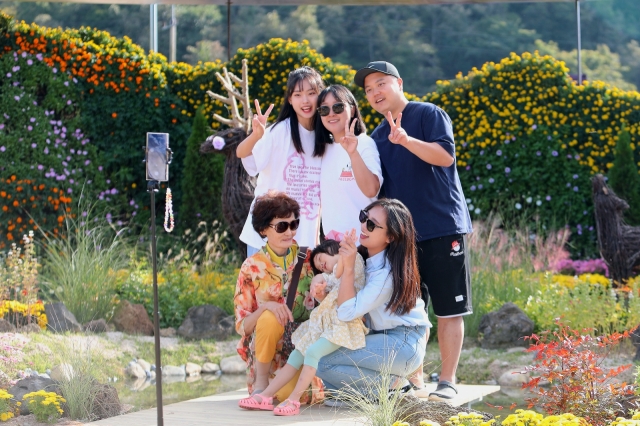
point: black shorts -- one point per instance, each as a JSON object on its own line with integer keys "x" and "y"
{"x": 446, "y": 275}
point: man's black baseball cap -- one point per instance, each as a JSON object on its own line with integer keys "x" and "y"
{"x": 377, "y": 66}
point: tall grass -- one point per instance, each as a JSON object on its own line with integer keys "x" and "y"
{"x": 504, "y": 262}
{"x": 79, "y": 265}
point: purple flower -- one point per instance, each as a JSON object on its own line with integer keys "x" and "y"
{"x": 40, "y": 167}
{"x": 34, "y": 145}
{"x": 218, "y": 143}
{"x": 86, "y": 163}
{"x": 575, "y": 188}
{"x": 17, "y": 98}
{"x": 16, "y": 68}
{"x": 482, "y": 152}
{"x": 24, "y": 54}
{"x": 488, "y": 166}
{"x": 535, "y": 126}
{"x": 69, "y": 190}
{"x": 66, "y": 83}
{"x": 73, "y": 151}
{"x": 569, "y": 156}
{"x": 100, "y": 168}
{"x": 1, "y": 126}
{"x": 39, "y": 56}
{"x": 114, "y": 191}
{"x": 468, "y": 168}
{"x": 577, "y": 156}
{"x": 32, "y": 119}
{"x": 84, "y": 214}
{"x": 548, "y": 198}
{"x": 8, "y": 75}
{"x": 575, "y": 176}
{"x": 507, "y": 142}
{"x": 29, "y": 62}
{"x": 473, "y": 187}
{"x": 480, "y": 186}
{"x": 549, "y": 137}
{"x": 491, "y": 180}
{"x": 46, "y": 150}
{"x": 131, "y": 202}
{"x": 499, "y": 152}
{"x": 2, "y": 149}
{"x": 554, "y": 153}
{"x": 538, "y": 153}
{"x": 55, "y": 70}
{"x": 69, "y": 102}
{"x": 507, "y": 170}
{"x": 29, "y": 128}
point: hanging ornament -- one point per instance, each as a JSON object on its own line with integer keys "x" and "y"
{"x": 168, "y": 212}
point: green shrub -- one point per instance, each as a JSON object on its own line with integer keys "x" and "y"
{"x": 624, "y": 178}
{"x": 202, "y": 181}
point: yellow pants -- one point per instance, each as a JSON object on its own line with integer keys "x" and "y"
{"x": 268, "y": 333}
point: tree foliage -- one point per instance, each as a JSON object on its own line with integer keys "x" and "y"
{"x": 624, "y": 178}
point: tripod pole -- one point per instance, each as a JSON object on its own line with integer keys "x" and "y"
{"x": 152, "y": 187}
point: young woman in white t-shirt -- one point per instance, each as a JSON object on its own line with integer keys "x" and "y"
{"x": 285, "y": 156}
{"x": 351, "y": 174}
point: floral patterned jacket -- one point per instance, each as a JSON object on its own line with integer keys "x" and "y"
{"x": 261, "y": 280}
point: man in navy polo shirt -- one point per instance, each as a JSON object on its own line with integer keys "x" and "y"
{"x": 417, "y": 151}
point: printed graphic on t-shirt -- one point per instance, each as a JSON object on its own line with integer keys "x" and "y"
{"x": 303, "y": 185}
{"x": 334, "y": 235}
{"x": 347, "y": 173}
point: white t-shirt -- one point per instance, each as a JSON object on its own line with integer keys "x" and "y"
{"x": 279, "y": 167}
{"x": 341, "y": 199}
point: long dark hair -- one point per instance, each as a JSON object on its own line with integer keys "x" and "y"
{"x": 328, "y": 247}
{"x": 295, "y": 80}
{"x": 401, "y": 254}
{"x": 344, "y": 95}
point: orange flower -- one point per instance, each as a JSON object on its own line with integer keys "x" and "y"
{"x": 16, "y": 203}
{"x": 5, "y": 208}
{"x": 114, "y": 115}
{"x": 60, "y": 219}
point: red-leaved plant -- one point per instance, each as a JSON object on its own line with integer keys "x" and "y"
{"x": 570, "y": 361}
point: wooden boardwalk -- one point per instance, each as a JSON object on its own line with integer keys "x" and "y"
{"x": 222, "y": 409}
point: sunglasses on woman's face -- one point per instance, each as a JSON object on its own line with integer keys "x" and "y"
{"x": 370, "y": 224}
{"x": 281, "y": 227}
{"x": 325, "y": 110}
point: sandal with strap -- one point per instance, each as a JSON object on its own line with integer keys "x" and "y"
{"x": 252, "y": 403}
{"x": 287, "y": 407}
{"x": 444, "y": 391}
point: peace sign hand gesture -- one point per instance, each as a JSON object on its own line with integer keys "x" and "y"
{"x": 260, "y": 120}
{"x": 349, "y": 141}
{"x": 397, "y": 134}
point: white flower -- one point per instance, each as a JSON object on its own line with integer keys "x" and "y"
{"x": 538, "y": 203}
{"x": 471, "y": 207}
{"x": 518, "y": 206}
{"x": 468, "y": 200}
{"x": 529, "y": 199}
{"x": 477, "y": 211}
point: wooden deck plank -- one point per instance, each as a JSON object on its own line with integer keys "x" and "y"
{"x": 223, "y": 409}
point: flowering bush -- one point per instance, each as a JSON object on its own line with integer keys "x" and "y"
{"x": 571, "y": 362}
{"x": 19, "y": 272}
{"x": 579, "y": 267}
{"x": 20, "y": 314}
{"x": 531, "y": 418}
{"x": 7, "y": 407}
{"x": 45, "y": 405}
{"x": 466, "y": 419}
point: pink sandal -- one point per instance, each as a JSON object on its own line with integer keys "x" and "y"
{"x": 252, "y": 403}
{"x": 287, "y": 407}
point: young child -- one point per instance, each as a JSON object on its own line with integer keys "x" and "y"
{"x": 321, "y": 335}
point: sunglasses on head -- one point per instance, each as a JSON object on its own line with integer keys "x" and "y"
{"x": 281, "y": 227}
{"x": 370, "y": 224}
{"x": 325, "y": 110}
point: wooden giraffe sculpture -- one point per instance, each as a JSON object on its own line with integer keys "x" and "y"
{"x": 237, "y": 186}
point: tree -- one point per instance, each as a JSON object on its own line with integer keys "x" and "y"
{"x": 600, "y": 64}
{"x": 624, "y": 178}
{"x": 202, "y": 181}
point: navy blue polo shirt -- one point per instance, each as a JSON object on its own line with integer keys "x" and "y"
{"x": 433, "y": 194}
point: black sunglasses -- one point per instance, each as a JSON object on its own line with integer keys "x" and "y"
{"x": 281, "y": 227}
{"x": 325, "y": 110}
{"x": 370, "y": 224}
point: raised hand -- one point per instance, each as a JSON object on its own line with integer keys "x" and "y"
{"x": 349, "y": 141}
{"x": 259, "y": 119}
{"x": 318, "y": 287}
{"x": 397, "y": 134}
{"x": 348, "y": 249}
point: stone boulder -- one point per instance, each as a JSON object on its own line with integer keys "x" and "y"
{"x": 95, "y": 326}
{"x": 210, "y": 368}
{"x": 635, "y": 339}
{"x": 135, "y": 371}
{"x": 514, "y": 378}
{"x": 167, "y": 332}
{"x": 505, "y": 327}
{"x": 132, "y": 319}
{"x": 233, "y": 365}
{"x": 144, "y": 364}
{"x": 30, "y": 328}
{"x": 173, "y": 371}
{"x": 106, "y": 402}
{"x": 6, "y": 326}
{"x": 31, "y": 384}
{"x": 192, "y": 369}
{"x": 62, "y": 372}
{"x": 207, "y": 322}
{"x": 60, "y": 319}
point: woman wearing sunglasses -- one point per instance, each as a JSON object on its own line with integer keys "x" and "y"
{"x": 351, "y": 175}
{"x": 261, "y": 291}
{"x": 391, "y": 298}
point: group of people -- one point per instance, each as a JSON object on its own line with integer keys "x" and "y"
{"x": 349, "y": 238}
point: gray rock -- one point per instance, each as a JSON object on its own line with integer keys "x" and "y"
{"x": 516, "y": 349}
{"x": 31, "y": 384}
{"x": 505, "y": 327}
{"x": 135, "y": 371}
{"x": 635, "y": 339}
{"x": 62, "y": 372}
{"x": 96, "y": 326}
{"x": 172, "y": 370}
{"x": 167, "y": 332}
{"x": 210, "y": 368}
{"x": 30, "y": 328}
{"x": 144, "y": 364}
{"x": 6, "y": 326}
{"x": 210, "y": 377}
{"x": 233, "y": 365}
{"x": 192, "y": 369}
{"x": 207, "y": 322}
{"x": 193, "y": 379}
{"x": 44, "y": 375}
{"x": 173, "y": 379}
{"x": 60, "y": 319}
{"x": 514, "y": 378}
